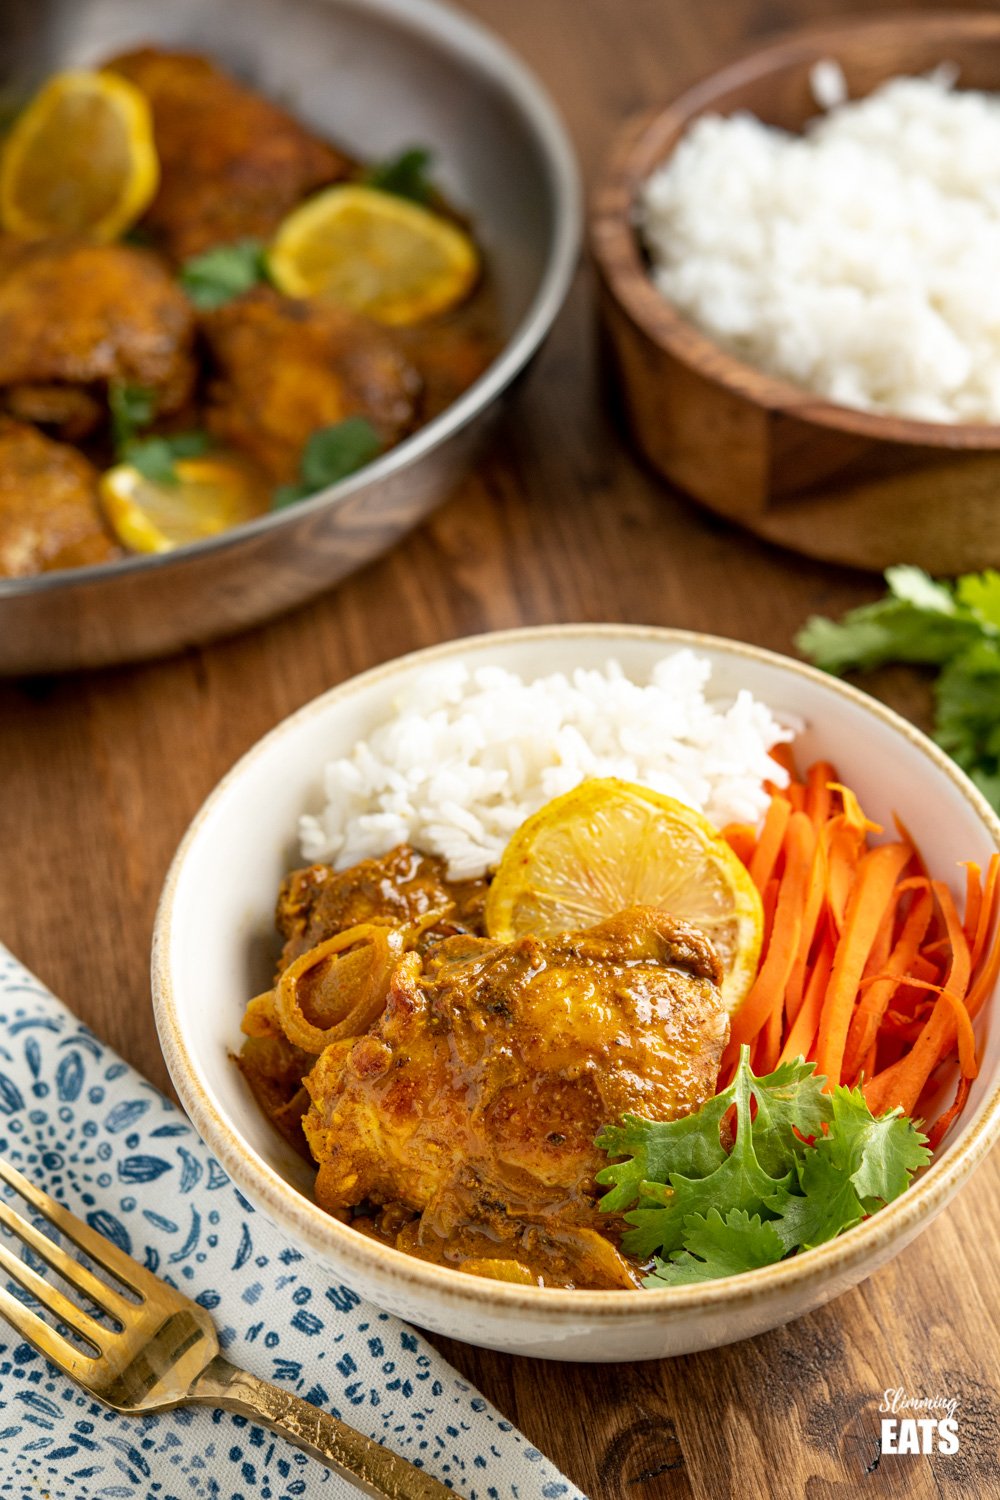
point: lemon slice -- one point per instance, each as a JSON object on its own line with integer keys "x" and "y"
{"x": 609, "y": 845}
{"x": 79, "y": 160}
{"x": 210, "y": 495}
{"x": 373, "y": 252}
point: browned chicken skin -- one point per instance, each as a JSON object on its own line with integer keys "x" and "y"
{"x": 286, "y": 368}
{"x": 75, "y": 315}
{"x": 232, "y": 164}
{"x": 504, "y": 1061}
{"x": 49, "y": 513}
{"x": 458, "y": 1122}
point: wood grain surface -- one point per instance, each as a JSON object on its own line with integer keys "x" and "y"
{"x": 99, "y": 776}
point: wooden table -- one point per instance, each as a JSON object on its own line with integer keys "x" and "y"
{"x": 99, "y": 776}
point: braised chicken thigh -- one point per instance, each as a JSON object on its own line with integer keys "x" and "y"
{"x": 497, "y": 1064}
{"x": 285, "y": 368}
{"x": 75, "y": 317}
{"x": 49, "y": 512}
{"x": 232, "y": 163}
{"x": 450, "y": 1087}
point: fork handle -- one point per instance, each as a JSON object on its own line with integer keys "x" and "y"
{"x": 374, "y": 1470}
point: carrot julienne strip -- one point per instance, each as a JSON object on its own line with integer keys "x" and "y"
{"x": 818, "y": 799}
{"x": 765, "y": 856}
{"x": 815, "y": 900}
{"x": 742, "y": 839}
{"x": 973, "y": 901}
{"x": 802, "y": 1033}
{"x": 877, "y": 995}
{"x": 767, "y": 993}
{"x": 943, "y": 1124}
{"x": 904, "y": 1082}
{"x": 872, "y": 892}
{"x": 987, "y": 911}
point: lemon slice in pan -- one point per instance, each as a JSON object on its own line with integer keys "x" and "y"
{"x": 209, "y": 495}
{"x": 79, "y": 160}
{"x": 609, "y": 845}
{"x": 375, "y": 253}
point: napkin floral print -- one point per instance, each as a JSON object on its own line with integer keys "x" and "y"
{"x": 99, "y": 1138}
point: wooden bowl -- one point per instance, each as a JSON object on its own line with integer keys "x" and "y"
{"x": 836, "y": 483}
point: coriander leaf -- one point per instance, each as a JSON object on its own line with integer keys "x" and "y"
{"x": 404, "y": 175}
{"x": 657, "y": 1148}
{"x": 717, "y": 1246}
{"x": 790, "y": 1096}
{"x": 334, "y": 452}
{"x": 740, "y": 1182}
{"x": 132, "y": 407}
{"x": 824, "y": 1204}
{"x": 331, "y": 454}
{"x": 154, "y": 457}
{"x": 888, "y": 630}
{"x": 879, "y": 1155}
{"x": 980, "y": 593}
{"x": 956, "y": 629}
{"x": 914, "y": 586}
{"x": 218, "y": 275}
{"x": 967, "y": 697}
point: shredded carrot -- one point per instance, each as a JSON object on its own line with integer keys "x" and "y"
{"x": 818, "y": 799}
{"x": 802, "y": 1034}
{"x": 768, "y": 991}
{"x": 988, "y": 909}
{"x": 987, "y": 973}
{"x": 903, "y": 1083}
{"x": 876, "y": 997}
{"x": 866, "y": 968}
{"x": 973, "y": 901}
{"x": 742, "y": 839}
{"x": 815, "y": 900}
{"x": 784, "y": 755}
{"x": 877, "y": 874}
{"x": 943, "y": 1124}
{"x": 765, "y": 856}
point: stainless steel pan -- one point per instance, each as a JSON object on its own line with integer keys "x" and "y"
{"x": 376, "y": 75}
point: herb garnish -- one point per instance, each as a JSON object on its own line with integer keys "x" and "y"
{"x": 807, "y": 1166}
{"x": 954, "y": 627}
{"x": 404, "y": 175}
{"x": 224, "y": 272}
{"x": 133, "y": 408}
{"x": 330, "y": 455}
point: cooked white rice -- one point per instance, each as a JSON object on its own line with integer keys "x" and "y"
{"x": 859, "y": 259}
{"x": 468, "y": 754}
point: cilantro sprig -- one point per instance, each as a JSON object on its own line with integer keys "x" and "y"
{"x": 330, "y": 454}
{"x": 955, "y": 627}
{"x": 405, "y": 175}
{"x": 133, "y": 408}
{"x": 803, "y": 1166}
{"x": 226, "y": 271}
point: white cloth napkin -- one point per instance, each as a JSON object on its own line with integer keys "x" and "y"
{"x": 94, "y": 1134}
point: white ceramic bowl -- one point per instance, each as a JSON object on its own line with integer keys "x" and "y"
{"x": 214, "y": 947}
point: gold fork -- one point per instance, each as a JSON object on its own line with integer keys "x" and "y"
{"x": 165, "y": 1353}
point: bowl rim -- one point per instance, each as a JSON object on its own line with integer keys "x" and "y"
{"x": 646, "y": 141}
{"x": 485, "y": 53}
{"x": 293, "y": 1212}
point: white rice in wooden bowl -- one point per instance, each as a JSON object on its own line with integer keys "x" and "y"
{"x": 468, "y": 754}
{"x": 858, "y": 259}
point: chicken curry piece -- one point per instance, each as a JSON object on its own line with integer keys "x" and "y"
{"x": 49, "y": 514}
{"x": 232, "y": 163}
{"x": 450, "y": 1087}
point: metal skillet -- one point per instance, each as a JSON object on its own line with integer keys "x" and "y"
{"x": 374, "y": 75}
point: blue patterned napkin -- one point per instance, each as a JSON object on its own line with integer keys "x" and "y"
{"x": 88, "y": 1129}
